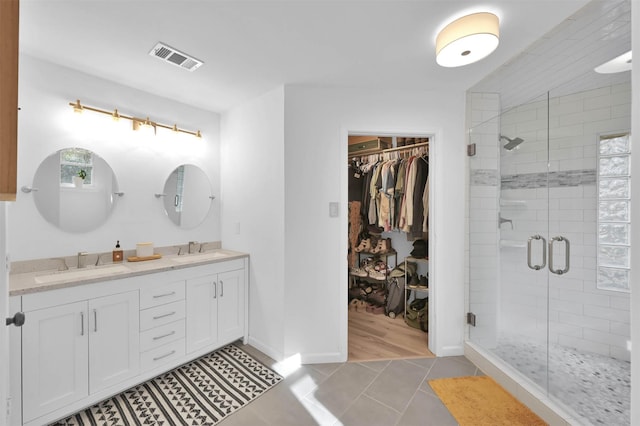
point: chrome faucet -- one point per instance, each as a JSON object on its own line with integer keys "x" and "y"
{"x": 192, "y": 246}
{"x": 82, "y": 256}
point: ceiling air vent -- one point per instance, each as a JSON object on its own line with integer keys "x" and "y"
{"x": 175, "y": 57}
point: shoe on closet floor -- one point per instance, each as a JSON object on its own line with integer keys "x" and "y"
{"x": 361, "y": 306}
{"x": 378, "y": 296}
{"x": 353, "y": 305}
{"x": 377, "y": 309}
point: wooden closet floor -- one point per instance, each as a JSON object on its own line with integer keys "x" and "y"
{"x": 378, "y": 337}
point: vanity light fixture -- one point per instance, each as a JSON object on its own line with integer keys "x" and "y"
{"x": 467, "y": 39}
{"x": 136, "y": 122}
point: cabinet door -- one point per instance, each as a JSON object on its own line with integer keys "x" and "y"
{"x": 231, "y": 304}
{"x": 54, "y": 358}
{"x": 9, "y": 20}
{"x": 202, "y": 312}
{"x": 114, "y": 339}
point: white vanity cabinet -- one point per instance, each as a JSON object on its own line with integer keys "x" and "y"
{"x": 215, "y": 309}
{"x": 73, "y": 350}
{"x": 114, "y": 342}
{"x": 55, "y": 358}
{"x": 83, "y": 343}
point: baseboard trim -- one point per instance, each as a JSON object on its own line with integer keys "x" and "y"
{"x": 322, "y": 358}
{"x": 266, "y": 349}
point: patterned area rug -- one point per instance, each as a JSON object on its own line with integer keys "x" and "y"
{"x": 201, "y": 392}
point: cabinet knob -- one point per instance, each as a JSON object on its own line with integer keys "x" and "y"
{"x": 17, "y": 320}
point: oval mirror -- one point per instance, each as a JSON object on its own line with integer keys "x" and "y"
{"x": 75, "y": 190}
{"x": 187, "y": 196}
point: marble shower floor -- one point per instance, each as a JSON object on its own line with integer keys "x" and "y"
{"x": 596, "y": 387}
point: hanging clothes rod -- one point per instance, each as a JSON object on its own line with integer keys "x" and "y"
{"x": 400, "y": 148}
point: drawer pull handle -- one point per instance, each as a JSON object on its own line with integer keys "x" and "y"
{"x": 158, "y": 296}
{"x": 95, "y": 321}
{"x": 82, "y": 323}
{"x": 164, "y": 335}
{"x": 164, "y": 356}
{"x": 221, "y": 288}
{"x": 165, "y": 315}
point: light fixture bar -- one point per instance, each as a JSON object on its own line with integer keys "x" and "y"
{"x": 136, "y": 121}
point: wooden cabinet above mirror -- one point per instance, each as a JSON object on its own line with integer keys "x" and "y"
{"x": 8, "y": 98}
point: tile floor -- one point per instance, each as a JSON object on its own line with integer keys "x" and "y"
{"x": 367, "y": 393}
{"x": 596, "y": 387}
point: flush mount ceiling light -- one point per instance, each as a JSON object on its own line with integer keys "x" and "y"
{"x": 619, "y": 64}
{"x": 138, "y": 123}
{"x": 467, "y": 39}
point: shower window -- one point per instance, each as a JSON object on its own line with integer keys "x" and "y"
{"x": 614, "y": 220}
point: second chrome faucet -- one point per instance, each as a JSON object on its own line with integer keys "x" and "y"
{"x": 82, "y": 259}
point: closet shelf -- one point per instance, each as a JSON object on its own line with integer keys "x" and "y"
{"x": 418, "y": 289}
{"x": 391, "y": 252}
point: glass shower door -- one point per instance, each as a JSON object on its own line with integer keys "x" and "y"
{"x": 508, "y": 229}
{"x": 523, "y": 226}
{"x": 589, "y": 228}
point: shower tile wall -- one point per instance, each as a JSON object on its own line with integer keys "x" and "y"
{"x": 581, "y": 316}
{"x": 482, "y": 242}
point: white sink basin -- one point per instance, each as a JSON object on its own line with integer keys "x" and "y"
{"x": 80, "y": 274}
{"x": 200, "y": 257}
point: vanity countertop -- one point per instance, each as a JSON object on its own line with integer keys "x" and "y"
{"x": 34, "y": 282}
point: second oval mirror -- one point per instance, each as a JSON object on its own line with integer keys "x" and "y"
{"x": 187, "y": 196}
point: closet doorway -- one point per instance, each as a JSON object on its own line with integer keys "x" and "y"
{"x": 388, "y": 258}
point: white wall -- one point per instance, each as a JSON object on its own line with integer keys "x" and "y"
{"x": 317, "y": 123}
{"x": 635, "y": 236}
{"x": 253, "y": 194}
{"x": 4, "y": 313}
{"x": 141, "y": 164}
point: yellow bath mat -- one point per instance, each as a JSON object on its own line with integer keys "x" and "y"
{"x": 478, "y": 400}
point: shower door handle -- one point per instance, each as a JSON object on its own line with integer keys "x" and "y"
{"x": 544, "y": 252}
{"x": 567, "y": 255}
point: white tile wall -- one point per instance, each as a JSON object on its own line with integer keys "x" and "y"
{"x": 581, "y": 315}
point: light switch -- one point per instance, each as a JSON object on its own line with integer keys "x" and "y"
{"x": 333, "y": 209}
{"x": 236, "y": 228}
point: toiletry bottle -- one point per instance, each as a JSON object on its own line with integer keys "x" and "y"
{"x": 117, "y": 253}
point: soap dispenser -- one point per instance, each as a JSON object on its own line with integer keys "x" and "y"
{"x": 117, "y": 253}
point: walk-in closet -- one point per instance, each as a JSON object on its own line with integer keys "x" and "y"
{"x": 388, "y": 252}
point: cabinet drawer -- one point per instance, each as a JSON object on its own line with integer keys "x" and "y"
{"x": 160, "y": 315}
{"x": 162, "y": 335}
{"x": 162, "y": 355}
{"x": 167, "y": 293}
